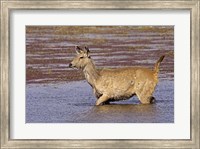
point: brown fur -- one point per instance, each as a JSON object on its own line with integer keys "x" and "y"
{"x": 117, "y": 84}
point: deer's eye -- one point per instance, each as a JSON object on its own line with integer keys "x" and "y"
{"x": 81, "y": 57}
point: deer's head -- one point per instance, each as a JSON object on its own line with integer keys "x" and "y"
{"x": 81, "y": 59}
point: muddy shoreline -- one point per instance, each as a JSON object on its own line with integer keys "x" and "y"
{"x": 50, "y": 49}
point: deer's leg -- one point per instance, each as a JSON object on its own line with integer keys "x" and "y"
{"x": 102, "y": 99}
{"x": 96, "y": 93}
{"x": 145, "y": 93}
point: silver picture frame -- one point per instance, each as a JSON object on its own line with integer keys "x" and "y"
{"x": 8, "y": 6}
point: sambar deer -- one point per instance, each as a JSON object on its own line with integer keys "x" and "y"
{"x": 120, "y": 83}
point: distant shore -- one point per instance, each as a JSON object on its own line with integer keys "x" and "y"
{"x": 50, "y": 49}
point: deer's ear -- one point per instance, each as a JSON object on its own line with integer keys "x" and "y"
{"x": 87, "y": 51}
{"x": 78, "y": 50}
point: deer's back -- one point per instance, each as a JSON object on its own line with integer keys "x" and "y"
{"x": 127, "y": 73}
{"x": 121, "y": 82}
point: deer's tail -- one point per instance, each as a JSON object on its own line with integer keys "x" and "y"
{"x": 157, "y": 65}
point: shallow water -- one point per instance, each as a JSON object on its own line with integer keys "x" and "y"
{"x": 74, "y": 102}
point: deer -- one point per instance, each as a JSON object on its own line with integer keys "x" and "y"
{"x": 114, "y": 84}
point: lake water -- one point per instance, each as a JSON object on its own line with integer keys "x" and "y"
{"x": 58, "y": 94}
{"x": 74, "y": 103}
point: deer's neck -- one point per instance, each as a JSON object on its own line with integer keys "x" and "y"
{"x": 91, "y": 73}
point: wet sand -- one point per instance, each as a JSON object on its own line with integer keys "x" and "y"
{"x": 58, "y": 94}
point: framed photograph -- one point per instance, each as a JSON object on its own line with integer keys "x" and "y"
{"x": 100, "y": 74}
